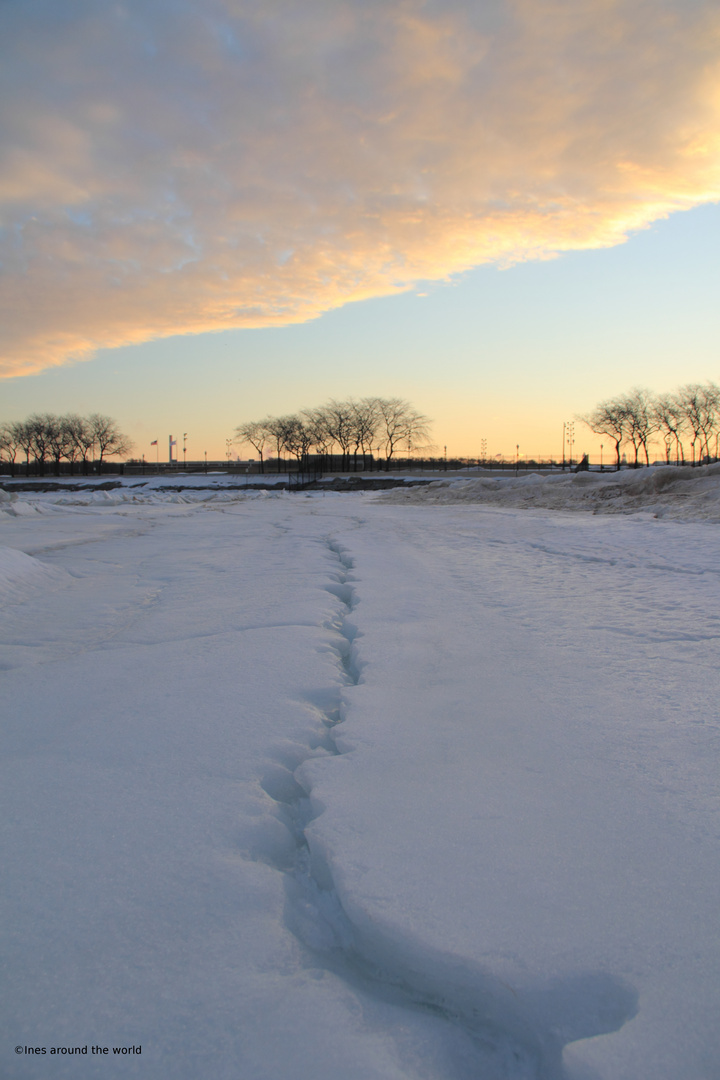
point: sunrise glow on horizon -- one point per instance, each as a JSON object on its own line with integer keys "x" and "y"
{"x": 218, "y": 210}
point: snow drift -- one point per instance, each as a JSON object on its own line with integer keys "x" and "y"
{"x": 22, "y": 576}
{"x": 681, "y": 493}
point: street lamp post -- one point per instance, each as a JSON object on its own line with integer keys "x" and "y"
{"x": 564, "y": 426}
{"x": 601, "y": 450}
{"x": 184, "y": 449}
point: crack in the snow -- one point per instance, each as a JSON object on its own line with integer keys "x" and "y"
{"x": 314, "y": 912}
{"x": 503, "y": 1040}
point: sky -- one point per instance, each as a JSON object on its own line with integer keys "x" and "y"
{"x": 214, "y": 211}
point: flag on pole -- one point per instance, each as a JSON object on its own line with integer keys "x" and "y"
{"x": 154, "y": 442}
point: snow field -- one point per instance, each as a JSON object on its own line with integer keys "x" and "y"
{"x": 312, "y": 787}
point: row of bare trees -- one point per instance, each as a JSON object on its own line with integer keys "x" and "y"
{"x": 373, "y": 426}
{"x": 688, "y": 417}
{"x": 46, "y": 438}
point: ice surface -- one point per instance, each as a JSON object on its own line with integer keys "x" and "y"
{"x": 320, "y": 786}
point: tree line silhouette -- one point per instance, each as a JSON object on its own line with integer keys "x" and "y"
{"x": 48, "y": 439}
{"x": 378, "y": 428}
{"x": 352, "y": 430}
{"x": 689, "y": 415}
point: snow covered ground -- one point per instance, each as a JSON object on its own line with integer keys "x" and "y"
{"x": 320, "y": 786}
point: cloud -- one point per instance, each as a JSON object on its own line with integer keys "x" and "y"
{"x": 178, "y": 166}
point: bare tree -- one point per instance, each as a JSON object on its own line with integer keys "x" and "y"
{"x": 298, "y": 437}
{"x": 108, "y": 438}
{"x": 280, "y": 429}
{"x": 670, "y": 420}
{"x": 41, "y": 429}
{"x": 641, "y": 421}
{"x": 9, "y": 444}
{"x": 400, "y": 422}
{"x": 59, "y": 440}
{"x": 22, "y": 433}
{"x": 82, "y": 436}
{"x": 609, "y": 418}
{"x": 339, "y": 421}
{"x": 418, "y": 432}
{"x": 317, "y": 424}
{"x": 700, "y": 405}
{"x": 710, "y": 415}
{"x": 366, "y": 418}
{"x": 72, "y": 426}
{"x": 256, "y": 434}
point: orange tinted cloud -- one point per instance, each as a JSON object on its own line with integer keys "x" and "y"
{"x": 177, "y": 168}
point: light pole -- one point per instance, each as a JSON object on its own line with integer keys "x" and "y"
{"x": 206, "y": 461}
{"x": 445, "y": 448}
{"x": 601, "y": 450}
{"x": 228, "y": 443}
{"x": 517, "y": 458}
{"x": 564, "y": 426}
{"x": 570, "y": 427}
{"x": 184, "y": 449}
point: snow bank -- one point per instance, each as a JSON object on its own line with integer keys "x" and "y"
{"x": 682, "y": 493}
{"x": 22, "y": 576}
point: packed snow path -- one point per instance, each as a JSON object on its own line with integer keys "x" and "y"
{"x": 318, "y": 787}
